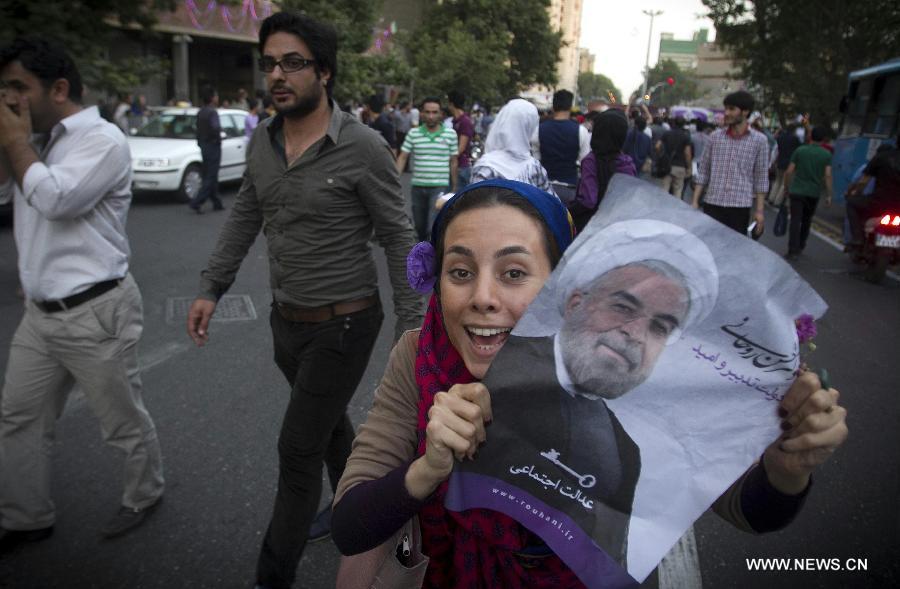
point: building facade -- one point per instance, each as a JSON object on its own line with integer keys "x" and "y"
{"x": 717, "y": 75}
{"x": 586, "y": 61}
{"x": 713, "y": 67}
{"x": 211, "y": 42}
{"x": 682, "y": 51}
{"x": 565, "y": 17}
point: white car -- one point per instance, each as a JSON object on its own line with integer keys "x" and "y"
{"x": 165, "y": 155}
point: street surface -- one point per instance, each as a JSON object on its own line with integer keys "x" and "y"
{"x": 218, "y": 411}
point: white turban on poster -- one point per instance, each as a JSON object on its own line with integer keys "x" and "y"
{"x": 629, "y": 242}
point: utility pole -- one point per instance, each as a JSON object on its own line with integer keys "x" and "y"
{"x": 652, "y": 14}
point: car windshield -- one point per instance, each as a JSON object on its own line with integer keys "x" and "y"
{"x": 170, "y": 126}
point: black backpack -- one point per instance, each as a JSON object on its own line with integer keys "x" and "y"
{"x": 662, "y": 165}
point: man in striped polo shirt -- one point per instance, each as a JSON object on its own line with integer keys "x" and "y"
{"x": 435, "y": 162}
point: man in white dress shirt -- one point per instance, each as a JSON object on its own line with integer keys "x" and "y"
{"x": 69, "y": 172}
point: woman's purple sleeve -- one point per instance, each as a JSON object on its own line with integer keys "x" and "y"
{"x": 371, "y": 512}
{"x": 766, "y": 508}
{"x": 586, "y": 193}
{"x": 625, "y": 165}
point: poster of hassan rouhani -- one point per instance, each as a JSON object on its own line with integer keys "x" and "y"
{"x": 639, "y": 385}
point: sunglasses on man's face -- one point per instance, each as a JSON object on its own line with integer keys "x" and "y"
{"x": 288, "y": 63}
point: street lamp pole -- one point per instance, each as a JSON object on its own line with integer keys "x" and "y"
{"x": 652, "y": 14}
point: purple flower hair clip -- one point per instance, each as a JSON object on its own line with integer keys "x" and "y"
{"x": 420, "y": 270}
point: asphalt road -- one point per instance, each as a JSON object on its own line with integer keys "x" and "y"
{"x": 218, "y": 412}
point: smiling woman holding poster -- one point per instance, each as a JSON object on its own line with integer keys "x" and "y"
{"x": 494, "y": 246}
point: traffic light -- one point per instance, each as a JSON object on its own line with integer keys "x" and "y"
{"x": 670, "y": 81}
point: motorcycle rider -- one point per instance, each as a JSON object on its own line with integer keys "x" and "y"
{"x": 884, "y": 168}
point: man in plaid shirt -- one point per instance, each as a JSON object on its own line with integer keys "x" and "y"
{"x": 734, "y": 169}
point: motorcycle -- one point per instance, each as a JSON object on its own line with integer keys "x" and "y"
{"x": 881, "y": 247}
{"x": 477, "y": 148}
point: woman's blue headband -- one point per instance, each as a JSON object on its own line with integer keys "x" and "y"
{"x": 551, "y": 209}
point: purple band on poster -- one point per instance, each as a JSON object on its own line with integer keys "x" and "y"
{"x": 594, "y": 567}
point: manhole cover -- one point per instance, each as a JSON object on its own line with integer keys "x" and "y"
{"x": 229, "y": 308}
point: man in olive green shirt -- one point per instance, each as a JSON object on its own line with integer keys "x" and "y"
{"x": 809, "y": 170}
{"x": 320, "y": 185}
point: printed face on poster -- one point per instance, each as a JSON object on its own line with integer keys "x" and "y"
{"x": 640, "y": 384}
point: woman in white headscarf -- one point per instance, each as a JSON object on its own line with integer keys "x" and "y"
{"x": 507, "y": 151}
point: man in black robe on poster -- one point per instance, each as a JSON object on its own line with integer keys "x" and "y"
{"x": 568, "y": 449}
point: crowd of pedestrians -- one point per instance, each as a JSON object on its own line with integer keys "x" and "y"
{"x": 559, "y": 150}
{"x": 323, "y": 184}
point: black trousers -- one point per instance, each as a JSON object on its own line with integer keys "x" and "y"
{"x": 802, "y": 210}
{"x": 738, "y": 218}
{"x": 323, "y": 363}
{"x": 209, "y": 188}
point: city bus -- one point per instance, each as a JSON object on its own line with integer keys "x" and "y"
{"x": 870, "y": 116}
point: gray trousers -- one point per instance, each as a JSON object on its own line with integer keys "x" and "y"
{"x": 776, "y": 194}
{"x": 95, "y": 346}
{"x": 673, "y": 183}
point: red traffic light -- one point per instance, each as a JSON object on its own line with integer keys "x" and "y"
{"x": 670, "y": 81}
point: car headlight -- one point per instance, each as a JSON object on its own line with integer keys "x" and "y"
{"x": 151, "y": 162}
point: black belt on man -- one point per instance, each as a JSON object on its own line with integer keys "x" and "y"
{"x": 325, "y": 312}
{"x": 79, "y": 298}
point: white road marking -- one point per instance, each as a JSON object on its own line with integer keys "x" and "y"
{"x": 148, "y": 362}
{"x": 680, "y": 568}
{"x": 840, "y": 248}
{"x": 156, "y": 357}
{"x": 827, "y": 240}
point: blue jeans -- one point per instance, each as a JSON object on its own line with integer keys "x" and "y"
{"x": 463, "y": 176}
{"x": 423, "y": 199}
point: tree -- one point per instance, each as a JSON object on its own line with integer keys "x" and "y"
{"x": 798, "y": 53}
{"x": 683, "y": 89}
{"x": 457, "y": 60}
{"x": 487, "y": 49}
{"x": 86, "y": 29}
{"x": 593, "y": 86}
{"x": 360, "y": 76}
{"x": 354, "y": 21}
